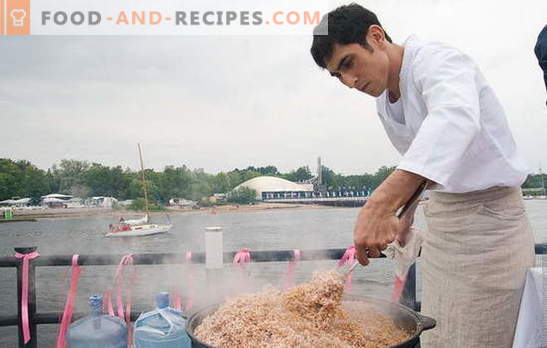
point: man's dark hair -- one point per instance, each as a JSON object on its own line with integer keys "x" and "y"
{"x": 347, "y": 24}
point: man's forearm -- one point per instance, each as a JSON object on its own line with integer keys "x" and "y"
{"x": 394, "y": 192}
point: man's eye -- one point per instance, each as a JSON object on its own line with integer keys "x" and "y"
{"x": 347, "y": 64}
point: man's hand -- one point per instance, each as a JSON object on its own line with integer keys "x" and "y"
{"x": 377, "y": 224}
{"x": 373, "y": 231}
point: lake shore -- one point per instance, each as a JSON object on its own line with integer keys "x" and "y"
{"x": 61, "y": 213}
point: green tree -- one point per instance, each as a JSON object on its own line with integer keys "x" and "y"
{"x": 22, "y": 179}
{"x": 242, "y": 195}
{"x": 71, "y": 176}
{"x": 175, "y": 182}
{"x": 299, "y": 175}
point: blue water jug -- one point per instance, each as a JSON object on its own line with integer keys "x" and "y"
{"x": 163, "y": 327}
{"x": 97, "y": 330}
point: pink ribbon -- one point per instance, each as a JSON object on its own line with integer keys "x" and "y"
{"x": 177, "y": 303}
{"x": 191, "y": 280}
{"x": 348, "y": 259}
{"x": 24, "y": 292}
{"x": 127, "y": 260}
{"x": 119, "y": 280}
{"x": 398, "y": 287}
{"x": 69, "y": 304}
{"x": 289, "y": 279}
{"x": 242, "y": 258}
{"x": 107, "y": 300}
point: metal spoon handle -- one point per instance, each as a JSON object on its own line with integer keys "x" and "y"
{"x": 413, "y": 200}
{"x": 351, "y": 268}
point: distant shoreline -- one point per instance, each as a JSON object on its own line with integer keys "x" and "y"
{"x": 60, "y": 213}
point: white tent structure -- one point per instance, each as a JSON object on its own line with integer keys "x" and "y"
{"x": 18, "y": 203}
{"x": 57, "y": 195}
{"x": 274, "y": 187}
{"x": 53, "y": 202}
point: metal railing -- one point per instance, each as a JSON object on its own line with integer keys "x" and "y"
{"x": 408, "y": 298}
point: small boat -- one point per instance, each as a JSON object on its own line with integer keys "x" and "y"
{"x": 137, "y": 231}
{"x": 138, "y": 227}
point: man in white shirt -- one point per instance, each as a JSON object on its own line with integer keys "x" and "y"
{"x": 443, "y": 117}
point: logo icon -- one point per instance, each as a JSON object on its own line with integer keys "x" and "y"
{"x": 15, "y": 17}
{"x": 18, "y": 17}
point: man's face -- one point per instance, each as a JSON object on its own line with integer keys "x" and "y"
{"x": 360, "y": 68}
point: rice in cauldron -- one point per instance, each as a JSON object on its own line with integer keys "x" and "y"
{"x": 311, "y": 314}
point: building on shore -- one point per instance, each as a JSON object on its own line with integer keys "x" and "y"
{"x": 55, "y": 200}
{"x": 181, "y": 203}
{"x": 271, "y": 187}
{"x": 101, "y": 202}
{"x": 16, "y": 203}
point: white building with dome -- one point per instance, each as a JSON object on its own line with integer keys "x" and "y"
{"x": 271, "y": 187}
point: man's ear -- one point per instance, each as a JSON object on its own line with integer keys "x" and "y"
{"x": 376, "y": 36}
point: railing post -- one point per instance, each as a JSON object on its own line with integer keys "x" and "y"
{"x": 33, "y": 343}
{"x": 409, "y": 292}
{"x": 214, "y": 260}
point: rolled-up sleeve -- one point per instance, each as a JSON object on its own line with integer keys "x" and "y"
{"x": 446, "y": 80}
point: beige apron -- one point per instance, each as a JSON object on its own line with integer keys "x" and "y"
{"x": 474, "y": 260}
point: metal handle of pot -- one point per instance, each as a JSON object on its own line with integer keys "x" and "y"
{"x": 427, "y": 322}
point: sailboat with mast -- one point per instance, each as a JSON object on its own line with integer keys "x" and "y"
{"x": 138, "y": 227}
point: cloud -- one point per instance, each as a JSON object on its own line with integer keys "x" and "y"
{"x": 223, "y": 102}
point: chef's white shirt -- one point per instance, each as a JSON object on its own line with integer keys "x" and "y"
{"x": 453, "y": 129}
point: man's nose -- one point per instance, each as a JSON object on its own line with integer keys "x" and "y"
{"x": 349, "y": 80}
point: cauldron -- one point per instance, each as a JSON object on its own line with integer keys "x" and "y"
{"x": 403, "y": 317}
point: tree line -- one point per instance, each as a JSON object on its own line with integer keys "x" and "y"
{"x": 84, "y": 179}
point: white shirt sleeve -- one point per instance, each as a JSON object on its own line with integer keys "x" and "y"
{"x": 446, "y": 80}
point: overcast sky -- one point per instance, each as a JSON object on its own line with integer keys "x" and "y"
{"x": 219, "y": 103}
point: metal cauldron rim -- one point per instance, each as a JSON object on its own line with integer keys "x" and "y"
{"x": 422, "y": 322}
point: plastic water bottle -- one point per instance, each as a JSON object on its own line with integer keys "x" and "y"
{"x": 97, "y": 330}
{"x": 163, "y": 327}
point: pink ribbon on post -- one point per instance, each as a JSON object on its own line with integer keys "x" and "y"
{"x": 348, "y": 259}
{"x": 69, "y": 304}
{"x": 24, "y": 292}
{"x": 289, "y": 279}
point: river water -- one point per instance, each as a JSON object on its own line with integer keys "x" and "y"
{"x": 261, "y": 230}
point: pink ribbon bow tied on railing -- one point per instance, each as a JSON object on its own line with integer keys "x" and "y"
{"x": 69, "y": 304}
{"x": 107, "y": 301}
{"x": 347, "y": 260}
{"x": 242, "y": 258}
{"x": 289, "y": 279}
{"x": 127, "y": 260}
{"x": 190, "y": 286}
{"x": 24, "y": 292}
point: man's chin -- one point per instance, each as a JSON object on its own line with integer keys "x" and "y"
{"x": 374, "y": 93}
